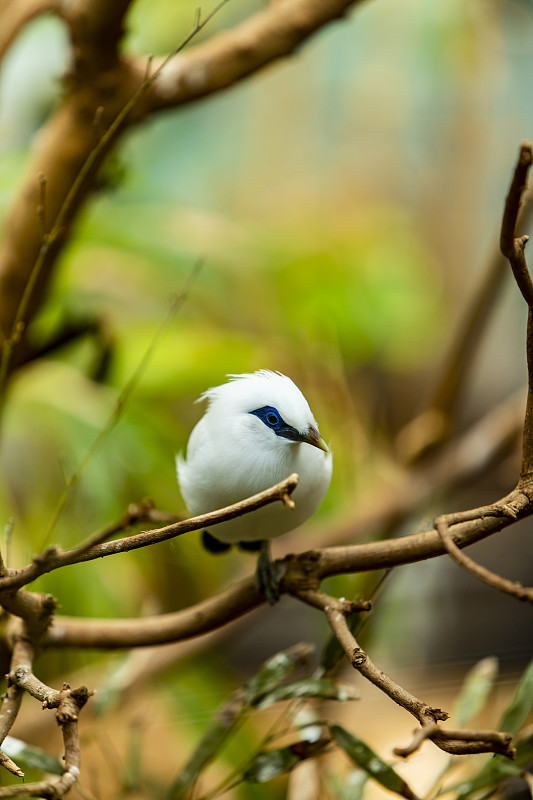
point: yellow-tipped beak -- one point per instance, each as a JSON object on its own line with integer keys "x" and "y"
{"x": 313, "y": 437}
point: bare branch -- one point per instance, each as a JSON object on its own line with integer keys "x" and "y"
{"x": 301, "y": 573}
{"x": 15, "y": 17}
{"x": 53, "y": 558}
{"x": 455, "y": 742}
{"x": 513, "y": 588}
{"x": 68, "y": 703}
{"x": 511, "y": 246}
{"x": 275, "y": 32}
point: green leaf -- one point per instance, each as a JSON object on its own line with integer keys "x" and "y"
{"x": 323, "y": 688}
{"x": 521, "y": 704}
{"x": 362, "y": 755}
{"x": 23, "y": 753}
{"x": 276, "y": 670}
{"x": 476, "y": 689}
{"x": 227, "y": 720}
{"x": 269, "y": 764}
{"x": 232, "y": 714}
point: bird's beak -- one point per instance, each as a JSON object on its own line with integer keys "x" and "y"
{"x": 313, "y": 437}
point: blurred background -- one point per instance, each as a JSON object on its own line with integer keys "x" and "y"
{"x": 345, "y": 205}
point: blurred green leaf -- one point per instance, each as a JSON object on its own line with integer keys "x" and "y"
{"x": 226, "y": 721}
{"x": 366, "y": 758}
{"x": 269, "y": 764}
{"x": 349, "y": 787}
{"x": 476, "y": 689}
{"x": 35, "y": 757}
{"x": 233, "y": 713}
{"x": 521, "y": 704}
{"x": 276, "y": 670}
{"x": 323, "y": 688}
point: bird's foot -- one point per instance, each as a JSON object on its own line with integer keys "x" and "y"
{"x": 250, "y": 547}
{"x": 267, "y": 575}
{"x": 213, "y": 544}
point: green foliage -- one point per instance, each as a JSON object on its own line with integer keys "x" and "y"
{"x": 367, "y": 759}
{"x": 26, "y": 755}
{"x": 266, "y": 688}
{"x": 475, "y": 691}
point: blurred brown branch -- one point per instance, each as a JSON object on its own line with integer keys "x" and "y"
{"x": 109, "y": 92}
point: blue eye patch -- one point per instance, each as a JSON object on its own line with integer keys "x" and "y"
{"x": 273, "y": 419}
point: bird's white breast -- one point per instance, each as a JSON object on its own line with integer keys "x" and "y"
{"x": 232, "y": 455}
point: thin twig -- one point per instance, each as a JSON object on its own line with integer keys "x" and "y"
{"x": 54, "y": 557}
{"x": 511, "y": 246}
{"x": 514, "y": 588}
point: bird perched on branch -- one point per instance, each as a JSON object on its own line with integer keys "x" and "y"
{"x": 257, "y": 430}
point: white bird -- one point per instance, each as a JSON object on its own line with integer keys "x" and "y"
{"x": 257, "y": 430}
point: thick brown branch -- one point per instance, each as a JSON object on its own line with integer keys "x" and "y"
{"x": 513, "y": 248}
{"x": 161, "y": 629}
{"x": 72, "y": 146}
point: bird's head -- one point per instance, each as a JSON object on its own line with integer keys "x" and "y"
{"x": 267, "y": 406}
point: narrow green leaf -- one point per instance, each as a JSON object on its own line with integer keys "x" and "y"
{"x": 362, "y": 755}
{"x": 226, "y": 721}
{"x": 31, "y": 756}
{"x": 476, "y": 689}
{"x": 232, "y": 714}
{"x": 323, "y": 688}
{"x": 269, "y": 764}
{"x": 276, "y": 670}
{"x": 520, "y": 706}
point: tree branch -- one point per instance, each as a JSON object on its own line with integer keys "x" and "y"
{"x": 301, "y": 572}
{"x": 54, "y": 558}
{"x": 15, "y": 17}
{"x": 513, "y": 588}
{"x": 454, "y": 742}
{"x": 275, "y": 32}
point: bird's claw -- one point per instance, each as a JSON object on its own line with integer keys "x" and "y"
{"x": 267, "y": 577}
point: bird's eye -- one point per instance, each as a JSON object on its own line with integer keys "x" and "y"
{"x": 270, "y": 416}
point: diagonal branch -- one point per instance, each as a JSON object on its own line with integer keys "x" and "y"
{"x": 301, "y": 573}
{"x": 451, "y": 741}
{"x": 54, "y": 558}
{"x": 277, "y": 31}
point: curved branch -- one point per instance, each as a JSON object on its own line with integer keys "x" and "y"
{"x": 513, "y": 588}
{"x": 15, "y": 16}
